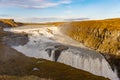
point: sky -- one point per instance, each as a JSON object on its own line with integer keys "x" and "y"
{"x": 58, "y": 10}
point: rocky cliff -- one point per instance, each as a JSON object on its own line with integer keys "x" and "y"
{"x": 100, "y": 35}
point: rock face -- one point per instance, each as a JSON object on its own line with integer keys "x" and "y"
{"x": 103, "y": 36}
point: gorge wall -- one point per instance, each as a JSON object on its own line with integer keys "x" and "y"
{"x": 101, "y": 35}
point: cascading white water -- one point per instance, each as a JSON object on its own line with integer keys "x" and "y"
{"x": 87, "y": 60}
{"x": 42, "y": 38}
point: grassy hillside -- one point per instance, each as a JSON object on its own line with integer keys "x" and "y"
{"x": 6, "y": 77}
{"x": 7, "y": 23}
{"x": 100, "y": 35}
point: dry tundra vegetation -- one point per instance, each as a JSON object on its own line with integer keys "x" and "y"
{"x": 16, "y": 66}
{"x": 100, "y": 35}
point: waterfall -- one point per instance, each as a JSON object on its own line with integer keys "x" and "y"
{"x": 89, "y": 61}
{"x": 42, "y": 45}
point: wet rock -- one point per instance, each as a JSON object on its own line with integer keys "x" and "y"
{"x": 56, "y": 51}
{"x": 49, "y": 50}
{"x": 59, "y": 49}
{"x": 114, "y": 62}
{"x": 12, "y": 39}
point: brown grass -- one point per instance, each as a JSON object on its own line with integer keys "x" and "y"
{"x": 6, "y": 77}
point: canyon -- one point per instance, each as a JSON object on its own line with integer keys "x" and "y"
{"x": 80, "y": 45}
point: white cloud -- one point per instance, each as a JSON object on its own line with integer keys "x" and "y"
{"x": 37, "y": 19}
{"x": 68, "y": 11}
{"x": 76, "y": 19}
{"x": 37, "y": 4}
{"x": 4, "y": 15}
{"x": 66, "y": 1}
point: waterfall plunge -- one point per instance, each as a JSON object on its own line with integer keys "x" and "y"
{"x": 41, "y": 39}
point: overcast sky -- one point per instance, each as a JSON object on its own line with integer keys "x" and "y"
{"x": 58, "y": 10}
